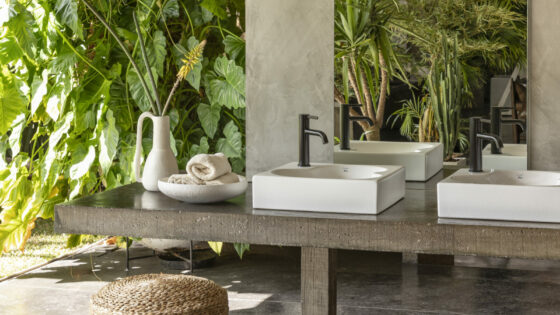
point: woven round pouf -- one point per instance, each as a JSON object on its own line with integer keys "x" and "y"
{"x": 161, "y": 294}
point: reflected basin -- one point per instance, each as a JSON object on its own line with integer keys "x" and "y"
{"x": 513, "y": 157}
{"x": 421, "y": 160}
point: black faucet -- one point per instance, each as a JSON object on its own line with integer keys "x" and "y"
{"x": 477, "y": 138}
{"x": 304, "y": 133}
{"x": 345, "y": 120}
{"x": 496, "y": 122}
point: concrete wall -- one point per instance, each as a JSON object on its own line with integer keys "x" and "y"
{"x": 544, "y": 85}
{"x": 290, "y": 70}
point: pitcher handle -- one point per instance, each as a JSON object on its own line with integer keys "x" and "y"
{"x": 138, "y": 155}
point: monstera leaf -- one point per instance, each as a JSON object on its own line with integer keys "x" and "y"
{"x": 228, "y": 89}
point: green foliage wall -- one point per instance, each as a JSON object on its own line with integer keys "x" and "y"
{"x": 69, "y": 98}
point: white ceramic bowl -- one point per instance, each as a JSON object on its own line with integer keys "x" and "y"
{"x": 202, "y": 193}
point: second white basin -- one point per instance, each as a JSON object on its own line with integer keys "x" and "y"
{"x": 500, "y": 195}
{"x": 513, "y": 157}
{"x": 421, "y": 160}
{"x": 363, "y": 189}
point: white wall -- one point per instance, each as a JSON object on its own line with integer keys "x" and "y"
{"x": 544, "y": 85}
{"x": 290, "y": 70}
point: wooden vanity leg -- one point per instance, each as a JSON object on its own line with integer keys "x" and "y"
{"x": 318, "y": 281}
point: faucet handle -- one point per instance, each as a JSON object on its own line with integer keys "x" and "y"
{"x": 307, "y": 116}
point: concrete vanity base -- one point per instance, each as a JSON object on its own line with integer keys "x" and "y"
{"x": 411, "y": 225}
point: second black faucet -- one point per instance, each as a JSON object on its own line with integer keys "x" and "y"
{"x": 345, "y": 120}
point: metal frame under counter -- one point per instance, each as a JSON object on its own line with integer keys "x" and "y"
{"x": 411, "y": 225}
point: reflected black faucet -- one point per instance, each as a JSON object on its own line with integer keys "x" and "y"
{"x": 304, "y": 133}
{"x": 477, "y": 138}
{"x": 496, "y": 122}
{"x": 345, "y": 120}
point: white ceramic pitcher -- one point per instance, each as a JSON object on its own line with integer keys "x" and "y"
{"x": 160, "y": 162}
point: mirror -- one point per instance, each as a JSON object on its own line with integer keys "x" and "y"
{"x": 422, "y": 68}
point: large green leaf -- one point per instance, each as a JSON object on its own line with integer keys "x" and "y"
{"x": 108, "y": 142}
{"x": 235, "y": 48}
{"x": 241, "y": 248}
{"x": 15, "y": 136}
{"x": 64, "y": 62}
{"x": 15, "y": 231}
{"x": 56, "y": 100}
{"x": 137, "y": 91}
{"x": 20, "y": 25}
{"x": 209, "y": 116}
{"x": 232, "y": 144}
{"x": 156, "y": 52}
{"x": 39, "y": 90}
{"x": 88, "y": 98}
{"x": 12, "y": 103}
{"x": 217, "y": 7}
{"x": 216, "y": 247}
{"x": 82, "y": 159}
{"x": 229, "y": 88}
{"x": 9, "y": 50}
{"x": 12, "y": 233}
{"x": 67, "y": 13}
{"x": 201, "y": 148}
{"x": 49, "y": 163}
{"x": 170, "y": 9}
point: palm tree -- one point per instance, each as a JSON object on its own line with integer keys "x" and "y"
{"x": 365, "y": 57}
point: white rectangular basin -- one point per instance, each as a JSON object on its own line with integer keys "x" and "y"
{"x": 532, "y": 196}
{"x": 362, "y": 189}
{"x": 420, "y": 160}
{"x": 513, "y": 157}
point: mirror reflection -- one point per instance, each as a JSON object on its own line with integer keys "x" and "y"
{"x": 410, "y": 74}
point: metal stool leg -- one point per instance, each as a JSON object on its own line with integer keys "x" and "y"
{"x": 191, "y": 258}
{"x": 127, "y": 255}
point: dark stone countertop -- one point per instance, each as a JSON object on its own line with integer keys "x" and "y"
{"x": 411, "y": 225}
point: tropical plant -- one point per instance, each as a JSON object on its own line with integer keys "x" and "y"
{"x": 491, "y": 34}
{"x": 448, "y": 92}
{"x": 70, "y": 95}
{"x": 417, "y": 115}
{"x": 365, "y": 57}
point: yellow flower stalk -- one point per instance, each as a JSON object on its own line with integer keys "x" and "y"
{"x": 191, "y": 59}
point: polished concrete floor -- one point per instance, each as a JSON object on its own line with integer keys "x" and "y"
{"x": 266, "y": 281}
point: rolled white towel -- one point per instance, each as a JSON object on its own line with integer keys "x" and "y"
{"x": 208, "y": 167}
{"x": 228, "y": 178}
{"x": 184, "y": 179}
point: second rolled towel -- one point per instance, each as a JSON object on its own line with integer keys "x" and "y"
{"x": 208, "y": 167}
